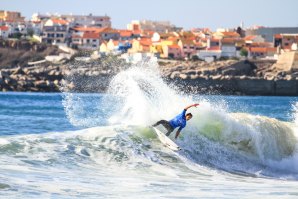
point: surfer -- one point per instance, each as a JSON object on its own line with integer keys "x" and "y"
{"x": 178, "y": 121}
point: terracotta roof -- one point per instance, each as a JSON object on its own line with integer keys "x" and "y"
{"x": 213, "y": 48}
{"x": 4, "y": 28}
{"x": 250, "y": 37}
{"x": 145, "y": 41}
{"x": 60, "y": 21}
{"x": 91, "y": 35}
{"x": 258, "y": 49}
{"x": 109, "y": 30}
{"x": 187, "y": 42}
{"x": 88, "y": 29}
{"x": 230, "y": 34}
{"x": 136, "y": 32}
{"x": 125, "y": 33}
{"x": 261, "y": 44}
{"x": 148, "y": 33}
{"x": 228, "y": 40}
{"x": 214, "y": 40}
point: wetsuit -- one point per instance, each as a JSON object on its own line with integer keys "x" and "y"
{"x": 178, "y": 121}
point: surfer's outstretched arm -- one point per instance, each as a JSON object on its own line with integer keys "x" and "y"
{"x": 193, "y": 105}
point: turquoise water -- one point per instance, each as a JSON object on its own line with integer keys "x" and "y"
{"x": 27, "y": 113}
{"x": 72, "y": 145}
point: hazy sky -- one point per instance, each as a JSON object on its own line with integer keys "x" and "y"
{"x": 183, "y": 13}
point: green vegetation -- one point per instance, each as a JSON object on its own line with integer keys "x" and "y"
{"x": 243, "y": 52}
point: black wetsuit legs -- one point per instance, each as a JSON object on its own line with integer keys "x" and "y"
{"x": 166, "y": 124}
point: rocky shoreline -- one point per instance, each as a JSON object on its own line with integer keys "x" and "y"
{"x": 222, "y": 77}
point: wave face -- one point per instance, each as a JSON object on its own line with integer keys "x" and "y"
{"x": 235, "y": 141}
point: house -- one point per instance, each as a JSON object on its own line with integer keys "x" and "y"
{"x": 105, "y": 34}
{"x": 4, "y": 32}
{"x": 189, "y": 47}
{"x": 11, "y": 16}
{"x": 88, "y": 20}
{"x": 285, "y": 41}
{"x": 269, "y": 32}
{"x": 253, "y": 39}
{"x": 140, "y": 45}
{"x": 173, "y": 51}
{"x": 261, "y": 52}
{"x": 114, "y": 47}
{"x": 109, "y": 33}
{"x": 125, "y": 35}
{"x": 226, "y": 34}
{"x": 228, "y": 47}
{"x": 211, "y": 43}
{"x": 55, "y": 31}
{"x": 86, "y": 40}
{"x": 212, "y": 52}
{"x": 145, "y": 44}
{"x": 155, "y": 26}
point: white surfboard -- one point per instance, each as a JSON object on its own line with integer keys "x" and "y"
{"x": 166, "y": 141}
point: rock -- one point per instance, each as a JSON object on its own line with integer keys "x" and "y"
{"x": 183, "y": 76}
{"x": 239, "y": 68}
{"x": 175, "y": 75}
{"x": 229, "y": 71}
{"x": 270, "y": 78}
{"x": 194, "y": 76}
{"x": 18, "y": 71}
{"x": 56, "y": 82}
{"x": 243, "y": 77}
{"x": 4, "y": 73}
{"x": 216, "y": 77}
{"x": 288, "y": 77}
{"x": 41, "y": 84}
{"x": 191, "y": 72}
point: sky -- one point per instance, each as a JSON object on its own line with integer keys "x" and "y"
{"x": 182, "y": 13}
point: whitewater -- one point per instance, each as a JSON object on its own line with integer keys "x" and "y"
{"x": 75, "y": 145}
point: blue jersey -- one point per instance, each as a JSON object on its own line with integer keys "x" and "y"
{"x": 179, "y": 120}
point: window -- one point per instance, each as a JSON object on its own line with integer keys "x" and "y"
{"x": 94, "y": 40}
{"x": 88, "y": 41}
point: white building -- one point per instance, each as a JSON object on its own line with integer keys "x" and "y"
{"x": 88, "y": 20}
{"x": 4, "y": 32}
{"x": 156, "y": 26}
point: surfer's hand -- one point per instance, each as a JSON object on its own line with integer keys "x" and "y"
{"x": 195, "y": 105}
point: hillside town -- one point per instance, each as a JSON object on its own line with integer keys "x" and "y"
{"x": 37, "y": 54}
{"x": 161, "y": 38}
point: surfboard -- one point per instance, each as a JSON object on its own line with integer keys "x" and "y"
{"x": 166, "y": 141}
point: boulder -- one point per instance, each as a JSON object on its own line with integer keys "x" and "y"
{"x": 239, "y": 68}
{"x": 175, "y": 75}
{"x": 183, "y": 76}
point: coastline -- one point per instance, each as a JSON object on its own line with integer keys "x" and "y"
{"x": 230, "y": 77}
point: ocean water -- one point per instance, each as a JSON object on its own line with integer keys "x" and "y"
{"x": 71, "y": 145}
